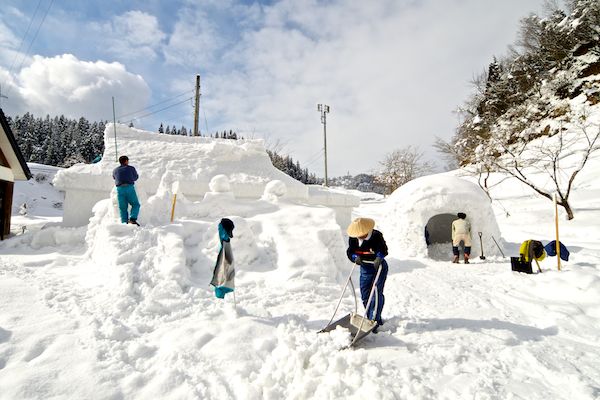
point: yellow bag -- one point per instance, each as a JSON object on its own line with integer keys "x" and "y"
{"x": 532, "y": 249}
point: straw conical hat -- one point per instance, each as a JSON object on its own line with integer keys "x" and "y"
{"x": 360, "y": 227}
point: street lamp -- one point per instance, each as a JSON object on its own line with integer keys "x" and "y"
{"x": 324, "y": 109}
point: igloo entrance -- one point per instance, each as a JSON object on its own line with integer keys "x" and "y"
{"x": 438, "y": 234}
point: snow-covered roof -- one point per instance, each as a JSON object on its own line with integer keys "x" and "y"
{"x": 412, "y": 206}
{"x": 17, "y": 167}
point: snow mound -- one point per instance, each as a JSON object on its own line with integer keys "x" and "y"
{"x": 433, "y": 202}
{"x": 274, "y": 190}
{"x": 193, "y": 167}
{"x": 193, "y": 161}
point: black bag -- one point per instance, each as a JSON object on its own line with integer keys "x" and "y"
{"x": 518, "y": 265}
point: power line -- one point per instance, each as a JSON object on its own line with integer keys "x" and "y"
{"x": 156, "y": 104}
{"x": 205, "y": 120}
{"x": 23, "y": 38}
{"x": 162, "y": 109}
{"x": 33, "y": 39}
{"x": 314, "y": 159}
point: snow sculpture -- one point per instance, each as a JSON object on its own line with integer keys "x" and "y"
{"x": 219, "y": 184}
{"x": 274, "y": 190}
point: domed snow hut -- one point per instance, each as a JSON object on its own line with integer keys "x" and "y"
{"x": 420, "y": 215}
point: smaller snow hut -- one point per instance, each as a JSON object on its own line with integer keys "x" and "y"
{"x": 430, "y": 204}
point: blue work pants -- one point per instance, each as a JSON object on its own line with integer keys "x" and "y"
{"x": 127, "y": 196}
{"x": 367, "y": 277}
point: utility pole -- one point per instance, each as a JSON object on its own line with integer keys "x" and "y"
{"x": 115, "y": 129}
{"x": 197, "y": 106}
{"x": 324, "y": 109}
{"x": 2, "y": 96}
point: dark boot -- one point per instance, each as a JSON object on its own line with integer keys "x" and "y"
{"x": 466, "y": 259}
{"x": 455, "y": 260}
{"x": 133, "y": 221}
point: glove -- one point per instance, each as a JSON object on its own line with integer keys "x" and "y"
{"x": 377, "y": 262}
{"x": 356, "y": 259}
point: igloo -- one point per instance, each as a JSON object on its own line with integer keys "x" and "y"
{"x": 432, "y": 202}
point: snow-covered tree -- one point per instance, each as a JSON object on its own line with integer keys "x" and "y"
{"x": 556, "y": 157}
{"x": 401, "y": 166}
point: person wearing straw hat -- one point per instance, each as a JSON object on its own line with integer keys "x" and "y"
{"x": 367, "y": 247}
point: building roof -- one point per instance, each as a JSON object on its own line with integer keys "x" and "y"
{"x": 11, "y": 151}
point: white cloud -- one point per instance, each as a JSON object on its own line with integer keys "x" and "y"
{"x": 194, "y": 40}
{"x": 391, "y": 71}
{"x": 65, "y": 85}
{"x": 134, "y": 35}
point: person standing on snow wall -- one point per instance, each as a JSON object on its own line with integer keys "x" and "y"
{"x": 224, "y": 273}
{"x": 461, "y": 232}
{"x": 367, "y": 248}
{"x": 125, "y": 176}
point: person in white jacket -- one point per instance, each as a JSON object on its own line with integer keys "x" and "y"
{"x": 461, "y": 232}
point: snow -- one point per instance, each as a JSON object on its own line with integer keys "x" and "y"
{"x": 192, "y": 167}
{"x": 419, "y": 202}
{"x": 112, "y": 311}
{"x": 191, "y": 162}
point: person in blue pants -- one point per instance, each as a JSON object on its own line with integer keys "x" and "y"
{"x": 367, "y": 247}
{"x": 125, "y": 176}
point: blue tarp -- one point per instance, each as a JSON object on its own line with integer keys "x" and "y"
{"x": 551, "y": 250}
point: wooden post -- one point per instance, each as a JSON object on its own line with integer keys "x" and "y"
{"x": 6, "y": 198}
{"x": 197, "y": 105}
{"x": 173, "y": 207}
{"x": 556, "y": 224}
{"x": 115, "y": 129}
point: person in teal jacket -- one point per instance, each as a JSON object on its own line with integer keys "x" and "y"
{"x": 125, "y": 176}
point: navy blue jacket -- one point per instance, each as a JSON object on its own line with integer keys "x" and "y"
{"x": 125, "y": 174}
{"x": 369, "y": 248}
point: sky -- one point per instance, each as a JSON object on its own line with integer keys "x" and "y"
{"x": 392, "y": 71}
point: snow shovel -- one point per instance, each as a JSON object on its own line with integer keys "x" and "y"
{"x": 359, "y": 326}
{"x": 482, "y": 257}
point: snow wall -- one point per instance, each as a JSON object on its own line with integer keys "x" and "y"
{"x": 434, "y": 201}
{"x": 191, "y": 162}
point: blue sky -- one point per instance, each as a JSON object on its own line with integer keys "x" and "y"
{"x": 393, "y": 71}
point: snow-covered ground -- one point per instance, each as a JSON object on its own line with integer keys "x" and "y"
{"x": 111, "y": 311}
{"x": 36, "y": 202}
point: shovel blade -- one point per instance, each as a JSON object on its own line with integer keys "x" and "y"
{"x": 353, "y": 322}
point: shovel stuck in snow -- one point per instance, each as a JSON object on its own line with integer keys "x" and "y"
{"x": 481, "y": 244}
{"x": 359, "y": 326}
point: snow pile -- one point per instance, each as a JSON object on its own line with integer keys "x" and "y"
{"x": 127, "y": 312}
{"x": 239, "y": 167}
{"x": 193, "y": 161}
{"x": 433, "y": 202}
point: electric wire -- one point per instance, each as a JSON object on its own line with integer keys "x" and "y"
{"x": 313, "y": 160}
{"x": 157, "y": 111}
{"x": 33, "y": 39}
{"x": 156, "y": 104}
{"x": 23, "y": 38}
{"x": 205, "y": 120}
